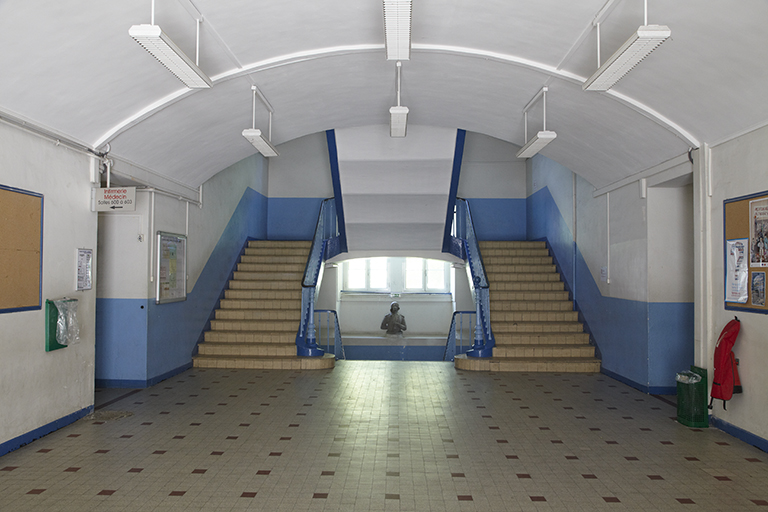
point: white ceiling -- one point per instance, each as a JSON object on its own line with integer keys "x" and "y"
{"x": 71, "y": 68}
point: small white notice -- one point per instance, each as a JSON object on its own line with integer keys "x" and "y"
{"x": 115, "y": 199}
{"x": 84, "y": 269}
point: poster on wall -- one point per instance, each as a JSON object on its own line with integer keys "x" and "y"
{"x": 758, "y": 288}
{"x": 171, "y": 268}
{"x": 737, "y": 276}
{"x": 758, "y": 233}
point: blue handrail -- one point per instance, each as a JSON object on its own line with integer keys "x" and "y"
{"x": 327, "y": 320}
{"x": 325, "y": 244}
{"x": 465, "y": 245}
{"x": 460, "y": 334}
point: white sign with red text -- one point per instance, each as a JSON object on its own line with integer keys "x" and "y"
{"x": 115, "y": 199}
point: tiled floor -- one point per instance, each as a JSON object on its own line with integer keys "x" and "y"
{"x": 383, "y": 436}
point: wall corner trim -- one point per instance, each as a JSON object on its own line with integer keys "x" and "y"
{"x": 25, "y": 439}
{"x": 738, "y": 433}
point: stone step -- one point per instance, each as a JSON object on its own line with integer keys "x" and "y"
{"x": 533, "y": 316}
{"x": 255, "y": 325}
{"x": 268, "y": 276}
{"x": 303, "y": 245}
{"x": 265, "y": 363}
{"x": 261, "y": 315}
{"x": 520, "y": 269}
{"x": 542, "y": 338}
{"x": 529, "y": 364}
{"x": 247, "y": 349}
{"x": 271, "y": 267}
{"x": 527, "y": 277}
{"x": 531, "y": 305}
{"x": 529, "y": 327}
{"x": 558, "y": 351}
{"x": 514, "y": 252}
{"x": 516, "y": 286}
{"x": 491, "y": 260}
{"x": 292, "y": 304}
{"x": 279, "y": 337}
{"x": 512, "y": 244}
{"x": 261, "y": 295}
{"x": 241, "y": 284}
{"x": 268, "y": 258}
{"x": 537, "y": 296}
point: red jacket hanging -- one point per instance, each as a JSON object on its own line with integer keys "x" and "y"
{"x": 726, "y": 380}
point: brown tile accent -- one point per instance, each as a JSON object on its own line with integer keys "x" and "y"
{"x": 135, "y": 470}
{"x": 199, "y": 471}
{"x": 332, "y": 473}
{"x": 72, "y": 470}
{"x": 655, "y": 477}
{"x": 760, "y": 503}
{"x": 177, "y": 493}
{"x": 158, "y": 452}
{"x": 723, "y": 478}
{"x": 321, "y": 495}
{"x": 538, "y": 498}
{"x": 458, "y": 475}
{"x": 686, "y": 501}
{"x": 464, "y": 497}
{"x": 391, "y": 496}
{"x": 9, "y": 468}
{"x": 513, "y": 457}
{"x": 611, "y": 499}
{"x": 46, "y": 450}
{"x": 106, "y": 492}
{"x": 36, "y": 491}
{"x": 523, "y": 475}
{"x": 217, "y": 453}
{"x": 589, "y": 477}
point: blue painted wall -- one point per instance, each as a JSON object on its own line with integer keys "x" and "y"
{"x": 499, "y": 219}
{"x": 121, "y": 340}
{"x": 292, "y": 218}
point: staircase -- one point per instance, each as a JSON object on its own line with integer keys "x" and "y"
{"x": 535, "y": 326}
{"x": 255, "y": 326}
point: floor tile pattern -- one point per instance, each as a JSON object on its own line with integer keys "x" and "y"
{"x": 383, "y": 435}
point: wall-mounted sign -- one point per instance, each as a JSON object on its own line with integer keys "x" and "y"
{"x": 115, "y": 199}
{"x": 84, "y": 269}
{"x": 171, "y": 268}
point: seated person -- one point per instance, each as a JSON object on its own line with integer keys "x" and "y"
{"x": 394, "y": 322}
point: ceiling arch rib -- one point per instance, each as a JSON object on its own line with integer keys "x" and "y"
{"x": 320, "y": 53}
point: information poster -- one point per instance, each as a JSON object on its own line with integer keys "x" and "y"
{"x": 737, "y": 277}
{"x": 758, "y": 288}
{"x": 758, "y": 233}
{"x": 171, "y": 268}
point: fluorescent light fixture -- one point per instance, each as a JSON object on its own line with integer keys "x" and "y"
{"x": 398, "y": 117}
{"x": 156, "y": 42}
{"x": 536, "y": 143}
{"x": 260, "y": 142}
{"x": 636, "y": 48}
{"x": 397, "y": 29}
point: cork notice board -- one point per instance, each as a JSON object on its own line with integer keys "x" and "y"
{"x": 21, "y": 249}
{"x": 745, "y": 221}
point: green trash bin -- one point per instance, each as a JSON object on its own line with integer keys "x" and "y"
{"x": 692, "y": 398}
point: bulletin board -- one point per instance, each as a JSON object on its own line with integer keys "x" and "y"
{"x": 171, "y": 268}
{"x": 21, "y": 249}
{"x": 745, "y": 222}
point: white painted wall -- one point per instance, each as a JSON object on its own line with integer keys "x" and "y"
{"x": 591, "y": 230}
{"x": 38, "y": 387}
{"x": 628, "y": 245}
{"x": 129, "y": 264}
{"x": 490, "y": 169}
{"x": 302, "y": 169}
{"x": 670, "y": 244}
{"x": 739, "y": 167}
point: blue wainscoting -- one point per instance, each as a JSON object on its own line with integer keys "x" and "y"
{"x": 292, "y": 218}
{"x": 499, "y": 219}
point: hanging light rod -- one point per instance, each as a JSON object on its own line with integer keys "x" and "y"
{"x": 398, "y": 116}
{"x": 255, "y": 136}
{"x": 161, "y": 47}
{"x": 542, "y": 138}
{"x": 397, "y": 29}
{"x": 639, "y": 45}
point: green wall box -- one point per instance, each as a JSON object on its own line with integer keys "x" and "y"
{"x": 51, "y": 318}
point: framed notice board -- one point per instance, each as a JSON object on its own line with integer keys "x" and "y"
{"x": 21, "y": 249}
{"x": 171, "y": 268}
{"x": 745, "y": 222}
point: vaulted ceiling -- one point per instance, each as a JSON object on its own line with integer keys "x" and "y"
{"x": 71, "y": 68}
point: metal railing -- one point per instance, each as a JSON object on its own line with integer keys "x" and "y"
{"x": 327, "y": 325}
{"x": 468, "y": 248}
{"x": 460, "y": 337}
{"x": 325, "y": 244}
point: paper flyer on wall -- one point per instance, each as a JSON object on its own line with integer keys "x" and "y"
{"x": 758, "y": 233}
{"x": 758, "y": 288}
{"x": 737, "y": 277}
